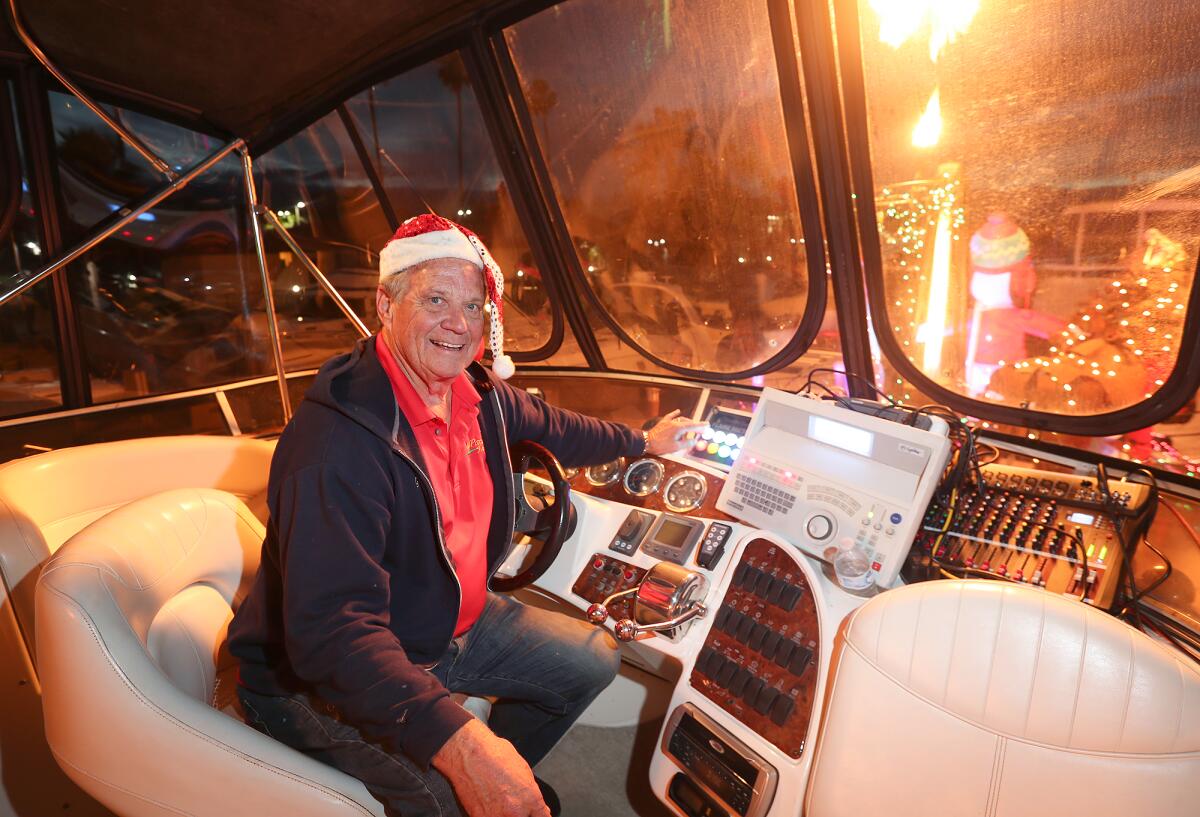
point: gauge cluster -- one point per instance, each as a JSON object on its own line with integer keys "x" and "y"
{"x": 651, "y": 483}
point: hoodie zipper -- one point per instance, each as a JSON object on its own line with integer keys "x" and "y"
{"x": 427, "y": 485}
{"x": 512, "y": 507}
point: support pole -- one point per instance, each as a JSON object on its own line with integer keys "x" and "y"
{"x": 285, "y": 401}
{"x": 127, "y": 137}
{"x": 314, "y": 271}
{"x": 126, "y": 216}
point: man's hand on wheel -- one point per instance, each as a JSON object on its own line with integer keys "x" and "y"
{"x": 670, "y": 434}
{"x": 488, "y": 776}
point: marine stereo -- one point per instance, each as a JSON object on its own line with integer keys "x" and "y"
{"x": 825, "y": 474}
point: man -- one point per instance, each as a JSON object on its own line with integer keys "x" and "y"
{"x": 391, "y": 502}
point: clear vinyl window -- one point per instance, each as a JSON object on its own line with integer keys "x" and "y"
{"x": 664, "y": 136}
{"x": 1037, "y": 193}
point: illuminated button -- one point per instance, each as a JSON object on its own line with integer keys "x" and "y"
{"x": 713, "y": 448}
{"x": 707, "y": 434}
{"x": 723, "y": 452}
{"x": 701, "y": 445}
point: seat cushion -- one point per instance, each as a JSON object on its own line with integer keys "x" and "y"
{"x": 989, "y": 698}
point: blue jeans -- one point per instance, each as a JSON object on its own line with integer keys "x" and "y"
{"x": 543, "y": 668}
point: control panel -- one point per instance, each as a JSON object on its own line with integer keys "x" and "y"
{"x": 822, "y": 475}
{"x": 1128, "y": 498}
{"x": 1037, "y": 533}
{"x": 720, "y": 442}
{"x": 605, "y": 575}
{"x": 630, "y": 534}
{"x": 759, "y": 662}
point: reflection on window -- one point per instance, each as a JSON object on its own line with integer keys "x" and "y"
{"x": 662, "y": 128}
{"x": 28, "y": 361}
{"x": 321, "y": 195}
{"x": 426, "y": 136}
{"x": 1036, "y": 193}
{"x": 172, "y": 301}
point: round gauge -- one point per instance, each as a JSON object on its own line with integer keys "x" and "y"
{"x": 570, "y": 473}
{"x": 605, "y": 474}
{"x": 644, "y": 477}
{"x": 685, "y": 492}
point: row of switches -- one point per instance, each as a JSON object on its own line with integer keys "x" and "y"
{"x": 770, "y": 588}
{"x": 741, "y": 683}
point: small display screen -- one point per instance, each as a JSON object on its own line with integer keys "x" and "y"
{"x": 672, "y": 534}
{"x": 1081, "y": 518}
{"x": 841, "y": 435}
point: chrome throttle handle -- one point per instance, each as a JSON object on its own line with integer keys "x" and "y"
{"x": 627, "y": 629}
{"x": 667, "y": 597}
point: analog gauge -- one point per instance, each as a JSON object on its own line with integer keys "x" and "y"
{"x": 644, "y": 477}
{"x": 570, "y": 473}
{"x": 605, "y": 474}
{"x": 685, "y": 492}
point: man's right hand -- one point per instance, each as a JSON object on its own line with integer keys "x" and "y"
{"x": 489, "y": 777}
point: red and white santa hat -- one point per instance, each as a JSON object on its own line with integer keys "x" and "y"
{"x": 428, "y": 236}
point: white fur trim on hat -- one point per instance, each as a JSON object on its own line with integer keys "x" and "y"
{"x": 402, "y": 253}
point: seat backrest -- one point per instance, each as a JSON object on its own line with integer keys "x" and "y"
{"x": 984, "y": 698}
{"x": 131, "y": 617}
{"x": 47, "y": 498}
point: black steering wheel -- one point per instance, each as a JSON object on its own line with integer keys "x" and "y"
{"x": 552, "y": 524}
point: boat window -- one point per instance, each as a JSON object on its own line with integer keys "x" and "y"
{"x": 1037, "y": 194}
{"x": 172, "y": 301}
{"x": 29, "y": 379}
{"x": 425, "y": 134}
{"x": 663, "y": 134}
{"x": 321, "y": 195}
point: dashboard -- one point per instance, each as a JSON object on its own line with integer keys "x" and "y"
{"x": 752, "y": 668}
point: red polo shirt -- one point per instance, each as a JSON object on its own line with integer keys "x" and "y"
{"x": 458, "y": 469}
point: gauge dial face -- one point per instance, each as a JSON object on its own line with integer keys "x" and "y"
{"x": 644, "y": 477}
{"x": 605, "y": 474}
{"x": 685, "y": 492}
{"x": 570, "y": 473}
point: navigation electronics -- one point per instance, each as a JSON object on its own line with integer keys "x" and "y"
{"x": 822, "y": 474}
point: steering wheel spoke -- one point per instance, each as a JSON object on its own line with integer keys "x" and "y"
{"x": 552, "y": 524}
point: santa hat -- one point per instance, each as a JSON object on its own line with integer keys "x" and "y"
{"x": 429, "y": 236}
{"x": 1001, "y": 246}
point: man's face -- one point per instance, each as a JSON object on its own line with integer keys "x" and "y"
{"x": 435, "y": 327}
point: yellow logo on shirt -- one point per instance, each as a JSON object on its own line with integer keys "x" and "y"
{"x": 474, "y": 446}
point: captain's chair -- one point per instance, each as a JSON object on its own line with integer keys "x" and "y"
{"x": 131, "y": 615}
{"x": 982, "y": 698}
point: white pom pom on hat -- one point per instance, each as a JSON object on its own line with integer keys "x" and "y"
{"x": 428, "y": 236}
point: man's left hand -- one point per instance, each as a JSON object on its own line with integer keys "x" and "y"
{"x": 670, "y": 434}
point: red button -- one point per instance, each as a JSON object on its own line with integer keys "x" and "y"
{"x": 599, "y": 563}
{"x": 876, "y": 566}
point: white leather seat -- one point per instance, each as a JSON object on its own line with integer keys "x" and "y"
{"x": 45, "y": 499}
{"x": 982, "y": 698}
{"x": 131, "y": 615}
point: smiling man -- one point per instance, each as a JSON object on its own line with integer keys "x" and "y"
{"x": 391, "y": 503}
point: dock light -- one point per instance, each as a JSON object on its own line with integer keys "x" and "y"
{"x": 300, "y": 205}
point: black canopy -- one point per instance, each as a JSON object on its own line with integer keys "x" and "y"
{"x": 228, "y": 67}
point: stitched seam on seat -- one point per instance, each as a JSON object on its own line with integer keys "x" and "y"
{"x": 1078, "y": 683}
{"x": 1037, "y": 663}
{"x": 1014, "y": 738}
{"x": 1128, "y": 688}
{"x": 191, "y": 643}
{"x": 953, "y": 646}
{"x": 63, "y": 761}
{"x": 987, "y": 687}
{"x": 993, "y": 799}
{"x": 12, "y": 513}
{"x": 178, "y": 724}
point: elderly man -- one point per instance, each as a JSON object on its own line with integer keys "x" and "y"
{"x": 390, "y": 506}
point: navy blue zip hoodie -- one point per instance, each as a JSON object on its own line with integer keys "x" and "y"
{"x": 355, "y": 591}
